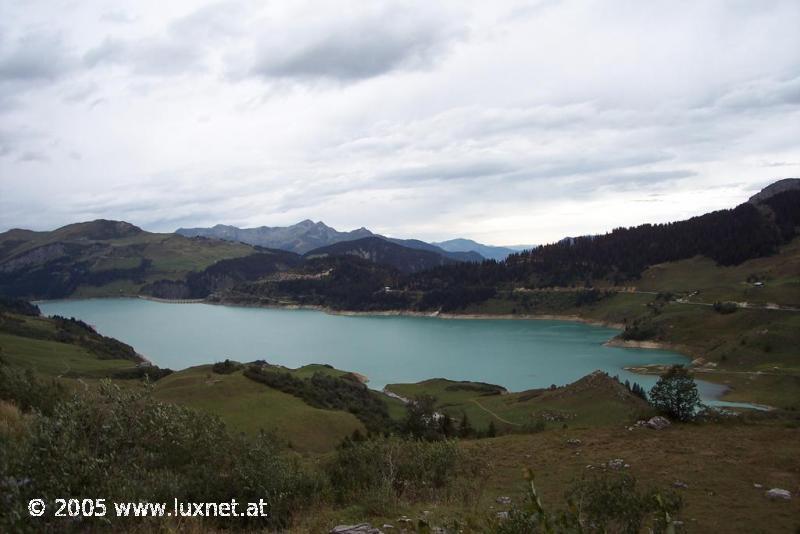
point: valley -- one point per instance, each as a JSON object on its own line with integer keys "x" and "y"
{"x": 314, "y": 361}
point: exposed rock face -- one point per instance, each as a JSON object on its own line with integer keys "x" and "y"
{"x": 778, "y": 493}
{"x": 658, "y": 423}
{"x": 36, "y": 256}
{"x": 361, "y": 528}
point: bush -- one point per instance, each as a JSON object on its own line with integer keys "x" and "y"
{"x": 725, "y": 308}
{"x": 639, "y": 330}
{"x": 399, "y": 469}
{"x": 153, "y": 373}
{"x": 675, "y": 394}
{"x": 227, "y": 367}
{"x": 125, "y": 446}
{"x": 604, "y": 503}
{"x": 27, "y": 392}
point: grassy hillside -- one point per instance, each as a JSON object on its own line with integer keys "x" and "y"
{"x": 778, "y": 275}
{"x": 247, "y": 406}
{"x": 58, "y": 346}
{"x": 718, "y": 463}
{"x": 101, "y": 258}
{"x": 591, "y": 401}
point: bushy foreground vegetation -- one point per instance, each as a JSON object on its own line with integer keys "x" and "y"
{"x": 125, "y": 446}
{"x": 598, "y": 504}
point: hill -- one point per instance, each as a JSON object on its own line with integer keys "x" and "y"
{"x": 101, "y": 258}
{"x": 247, "y": 406}
{"x": 381, "y": 251}
{"x": 468, "y": 245}
{"x": 594, "y": 400}
{"x": 59, "y": 346}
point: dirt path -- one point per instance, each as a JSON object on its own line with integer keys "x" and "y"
{"x": 490, "y": 412}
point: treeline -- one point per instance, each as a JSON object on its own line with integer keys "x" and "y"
{"x": 729, "y": 237}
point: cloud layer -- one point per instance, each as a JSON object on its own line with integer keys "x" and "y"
{"x": 504, "y": 122}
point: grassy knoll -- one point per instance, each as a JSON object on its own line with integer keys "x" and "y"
{"x": 247, "y": 406}
{"x": 592, "y": 401}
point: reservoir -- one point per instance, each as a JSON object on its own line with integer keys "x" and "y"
{"x": 516, "y": 354}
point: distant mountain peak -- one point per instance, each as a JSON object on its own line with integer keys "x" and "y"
{"x": 461, "y": 244}
{"x": 99, "y": 229}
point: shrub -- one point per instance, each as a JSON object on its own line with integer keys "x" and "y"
{"x": 125, "y": 446}
{"x": 152, "y": 373}
{"x": 725, "y": 307}
{"x": 639, "y": 330}
{"x": 604, "y": 503}
{"x": 27, "y": 392}
{"x": 227, "y": 367}
{"x": 409, "y": 470}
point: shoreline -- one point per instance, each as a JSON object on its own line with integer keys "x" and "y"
{"x": 372, "y": 313}
{"x": 612, "y": 342}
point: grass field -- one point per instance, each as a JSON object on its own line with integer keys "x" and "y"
{"x": 247, "y": 406}
{"x": 719, "y": 464}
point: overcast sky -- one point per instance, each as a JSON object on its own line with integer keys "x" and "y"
{"x": 506, "y": 122}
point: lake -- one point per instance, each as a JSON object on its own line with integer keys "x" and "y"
{"x": 516, "y": 354}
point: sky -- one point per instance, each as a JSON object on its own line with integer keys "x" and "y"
{"x": 505, "y": 122}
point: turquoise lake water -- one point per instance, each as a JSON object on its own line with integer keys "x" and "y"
{"x": 516, "y": 354}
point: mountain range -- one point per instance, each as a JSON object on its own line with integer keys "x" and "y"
{"x": 308, "y": 235}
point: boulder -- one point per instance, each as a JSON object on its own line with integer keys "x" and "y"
{"x": 778, "y": 493}
{"x": 658, "y": 423}
{"x": 361, "y": 528}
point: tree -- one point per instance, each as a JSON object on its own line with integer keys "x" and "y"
{"x": 446, "y": 426}
{"x": 421, "y": 418}
{"x": 492, "y": 430}
{"x": 675, "y": 394}
{"x": 465, "y": 429}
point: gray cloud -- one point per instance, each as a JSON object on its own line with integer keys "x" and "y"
{"x": 35, "y": 57}
{"x": 156, "y": 56}
{"x": 485, "y": 119}
{"x": 360, "y": 47}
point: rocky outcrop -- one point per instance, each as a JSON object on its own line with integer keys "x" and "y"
{"x": 658, "y": 423}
